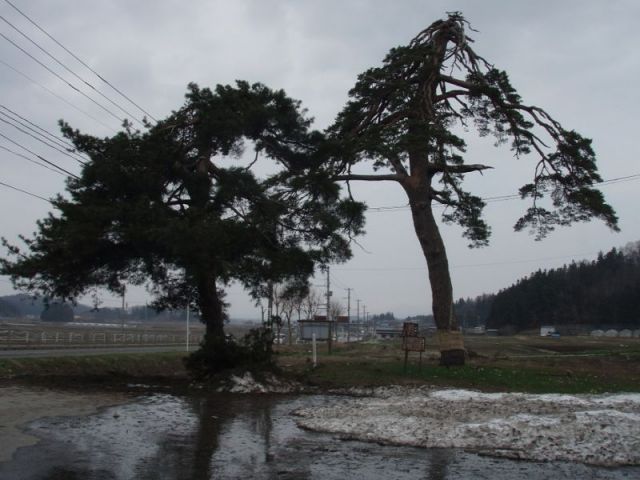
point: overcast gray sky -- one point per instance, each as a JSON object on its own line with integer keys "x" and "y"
{"x": 577, "y": 59}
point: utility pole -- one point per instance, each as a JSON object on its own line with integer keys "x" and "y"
{"x": 270, "y": 306}
{"x": 330, "y": 340}
{"x": 364, "y": 318}
{"x": 124, "y": 290}
{"x": 349, "y": 314}
{"x": 188, "y": 309}
{"x": 358, "y": 311}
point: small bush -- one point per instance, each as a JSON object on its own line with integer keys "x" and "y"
{"x": 253, "y": 352}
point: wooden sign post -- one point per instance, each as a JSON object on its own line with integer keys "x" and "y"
{"x": 411, "y": 342}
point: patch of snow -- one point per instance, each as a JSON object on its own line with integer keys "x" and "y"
{"x": 248, "y": 384}
{"x": 466, "y": 395}
{"x": 593, "y": 429}
{"x": 615, "y": 399}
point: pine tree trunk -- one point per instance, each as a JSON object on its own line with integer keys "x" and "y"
{"x": 211, "y": 310}
{"x": 450, "y": 338}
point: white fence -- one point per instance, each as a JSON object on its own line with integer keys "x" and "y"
{"x": 16, "y": 338}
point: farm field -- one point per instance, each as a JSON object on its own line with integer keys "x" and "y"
{"x": 516, "y": 363}
{"x": 519, "y": 363}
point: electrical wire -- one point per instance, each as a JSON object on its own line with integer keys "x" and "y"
{"x": 69, "y": 152}
{"x": 64, "y": 152}
{"x": 81, "y": 61}
{"x": 30, "y": 160}
{"x": 42, "y": 49}
{"x": 24, "y": 191}
{"x": 338, "y": 282}
{"x": 48, "y": 90}
{"x": 40, "y": 157}
{"x": 57, "y": 75}
{"x": 61, "y": 141}
{"x": 502, "y": 198}
{"x": 490, "y": 264}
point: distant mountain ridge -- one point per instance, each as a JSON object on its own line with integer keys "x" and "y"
{"x": 23, "y": 305}
{"x": 20, "y": 305}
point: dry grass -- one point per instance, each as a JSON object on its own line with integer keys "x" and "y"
{"x": 518, "y": 363}
{"x": 523, "y": 363}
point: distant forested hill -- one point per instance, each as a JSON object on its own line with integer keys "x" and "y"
{"x": 473, "y": 312}
{"x": 21, "y": 304}
{"x": 604, "y": 292}
{"x": 7, "y": 309}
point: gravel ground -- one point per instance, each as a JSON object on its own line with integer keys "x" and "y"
{"x": 592, "y": 429}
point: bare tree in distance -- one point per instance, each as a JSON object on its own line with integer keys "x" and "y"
{"x": 311, "y": 304}
{"x": 289, "y": 305}
{"x": 335, "y": 309}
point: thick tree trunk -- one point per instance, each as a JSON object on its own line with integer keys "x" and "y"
{"x": 450, "y": 339}
{"x": 211, "y": 309}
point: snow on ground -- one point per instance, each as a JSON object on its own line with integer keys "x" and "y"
{"x": 247, "y": 383}
{"x": 593, "y": 429}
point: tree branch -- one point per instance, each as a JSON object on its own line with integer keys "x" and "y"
{"x": 449, "y": 94}
{"x": 459, "y": 83}
{"x": 396, "y": 163}
{"x": 457, "y": 168}
{"x": 369, "y": 178}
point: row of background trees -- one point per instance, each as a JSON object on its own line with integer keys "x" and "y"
{"x": 599, "y": 293}
{"x": 602, "y": 293}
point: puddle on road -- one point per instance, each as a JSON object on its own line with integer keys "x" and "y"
{"x": 163, "y": 436}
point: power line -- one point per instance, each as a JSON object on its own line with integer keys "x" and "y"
{"x": 502, "y": 198}
{"x": 57, "y": 75}
{"x": 24, "y": 191}
{"x": 39, "y": 156}
{"x": 339, "y": 282}
{"x": 81, "y": 62}
{"x": 69, "y": 70}
{"x": 48, "y": 133}
{"x": 490, "y": 264}
{"x": 619, "y": 179}
{"x": 48, "y": 90}
{"x": 30, "y": 160}
{"x": 64, "y": 152}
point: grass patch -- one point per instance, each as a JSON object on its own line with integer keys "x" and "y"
{"x": 486, "y": 378}
{"x": 497, "y": 364}
{"x": 165, "y": 364}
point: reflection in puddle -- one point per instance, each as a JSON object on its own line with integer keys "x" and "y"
{"x": 200, "y": 437}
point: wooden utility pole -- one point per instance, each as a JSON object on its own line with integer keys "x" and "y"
{"x": 330, "y": 340}
{"x": 124, "y": 290}
{"x": 349, "y": 314}
{"x": 188, "y": 326}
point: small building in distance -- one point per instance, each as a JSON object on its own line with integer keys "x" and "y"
{"x": 385, "y": 333}
{"x": 310, "y": 327}
{"x": 547, "y": 331}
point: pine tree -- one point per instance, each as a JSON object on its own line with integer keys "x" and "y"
{"x": 403, "y": 119}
